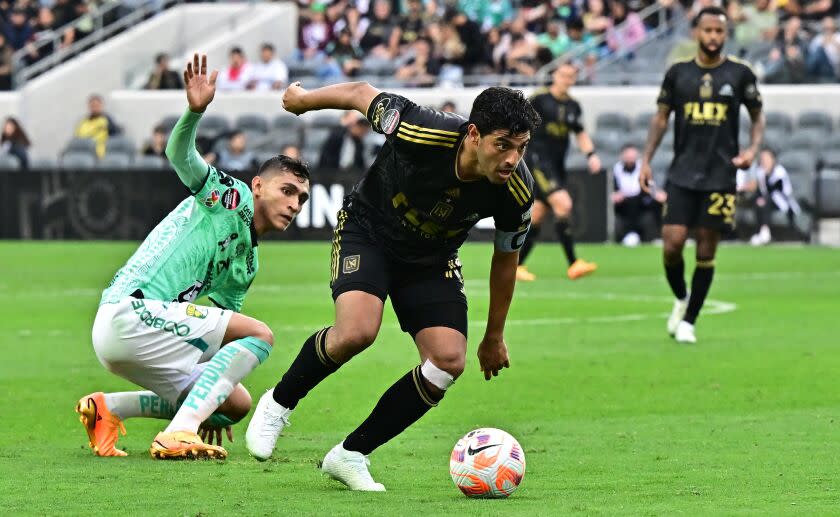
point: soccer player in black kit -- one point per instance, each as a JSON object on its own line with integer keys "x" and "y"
{"x": 561, "y": 115}
{"x": 705, "y": 95}
{"x": 398, "y": 235}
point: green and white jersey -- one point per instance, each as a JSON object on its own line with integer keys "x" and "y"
{"x": 206, "y": 246}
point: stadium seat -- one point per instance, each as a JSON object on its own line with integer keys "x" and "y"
{"x": 252, "y": 122}
{"x": 577, "y": 161}
{"x": 607, "y": 141}
{"x": 9, "y": 162}
{"x": 612, "y": 120}
{"x": 659, "y": 166}
{"x": 831, "y": 142}
{"x": 774, "y": 139}
{"x": 829, "y": 194}
{"x": 803, "y": 188}
{"x": 286, "y": 121}
{"x": 642, "y": 120}
{"x": 815, "y": 119}
{"x": 169, "y": 122}
{"x": 804, "y": 140}
{"x": 115, "y": 160}
{"x": 78, "y": 160}
{"x": 310, "y": 155}
{"x": 148, "y": 162}
{"x": 314, "y": 137}
{"x": 119, "y": 144}
{"x": 798, "y": 162}
{"x": 213, "y": 125}
{"x": 777, "y": 120}
{"x": 324, "y": 120}
{"x": 830, "y": 159}
{"x": 42, "y": 163}
{"x": 81, "y": 145}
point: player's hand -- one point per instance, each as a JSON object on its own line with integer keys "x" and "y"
{"x": 293, "y": 99}
{"x": 744, "y": 159}
{"x": 200, "y": 88}
{"x": 645, "y": 177}
{"x": 212, "y": 435}
{"x": 492, "y": 356}
{"x": 594, "y": 164}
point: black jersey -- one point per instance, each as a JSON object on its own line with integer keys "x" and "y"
{"x": 412, "y": 200}
{"x": 560, "y": 116}
{"x": 706, "y": 104}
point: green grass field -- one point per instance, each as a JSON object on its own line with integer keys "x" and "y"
{"x": 615, "y": 418}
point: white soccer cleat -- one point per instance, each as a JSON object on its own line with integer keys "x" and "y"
{"x": 761, "y": 238}
{"x": 351, "y": 468}
{"x": 685, "y": 333}
{"x": 265, "y": 427}
{"x": 677, "y": 314}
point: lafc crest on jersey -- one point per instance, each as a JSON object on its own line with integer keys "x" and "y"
{"x": 706, "y": 88}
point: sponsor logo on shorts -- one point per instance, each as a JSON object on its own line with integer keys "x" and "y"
{"x": 351, "y": 264}
{"x": 212, "y": 198}
{"x": 390, "y": 121}
{"x": 195, "y": 311}
{"x": 230, "y": 199}
{"x": 173, "y": 327}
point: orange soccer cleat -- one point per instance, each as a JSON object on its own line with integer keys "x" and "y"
{"x": 581, "y": 268}
{"x": 523, "y": 275}
{"x": 184, "y": 445}
{"x": 103, "y": 428}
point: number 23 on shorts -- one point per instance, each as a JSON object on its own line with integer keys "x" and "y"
{"x": 722, "y": 204}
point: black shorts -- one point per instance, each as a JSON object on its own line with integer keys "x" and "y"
{"x": 549, "y": 175}
{"x": 692, "y": 208}
{"x": 422, "y": 296}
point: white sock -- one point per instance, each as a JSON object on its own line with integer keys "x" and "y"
{"x": 131, "y": 404}
{"x": 224, "y": 371}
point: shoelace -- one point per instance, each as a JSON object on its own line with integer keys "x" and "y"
{"x": 272, "y": 422}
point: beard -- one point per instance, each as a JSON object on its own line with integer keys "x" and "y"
{"x": 713, "y": 53}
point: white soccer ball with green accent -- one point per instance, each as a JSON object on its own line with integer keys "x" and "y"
{"x": 487, "y": 463}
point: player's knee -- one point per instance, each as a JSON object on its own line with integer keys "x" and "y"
{"x": 262, "y": 332}
{"x": 450, "y": 363}
{"x": 354, "y": 339}
{"x": 240, "y": 406}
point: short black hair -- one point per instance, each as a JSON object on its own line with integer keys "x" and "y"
{"x": 575, "y": 24}
{"x": 283, "y": 163}
{"x": 237, "y": 50}
{"x": 713, "y": 11}
{"x": 503, "y": 108}
{"x": 267, "y": 46}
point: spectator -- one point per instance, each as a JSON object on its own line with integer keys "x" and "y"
{"x": 596, "y": 19}
{"x": 157, "y": 145}
{"x": 775, "y": 193}
{"x": 315, "y": 32}
{"x": 346, "y": 54}
{"x": 376, "y": 31}
{"x": 410, "y": 27}
{"x": 448, "y": 107}
{"x": 238, "y": 73}
{"x": 422, "y": 67}
{"x": 824, "y": 52}
{"x": 291, "y": 150}
{"x": 44, "y": 31}
{"x": 98, "y": 125}
{"x": 18, "y": 31}
{"x": 637, "y": 213}
{"x": 345, "y": 147}
{"x": 270, "y": 73}
{"x": 64, "y": 11}
{"x": 6, "y": 52}
{"x": 810, "y": 10}
{"x": 235, "y": 156}
{"x": 15, "y": 142}
{"x": 472, "y": 39}
{"x": 627, "y": 30}
{"x": 581, "y": 43}
{"x": 786, "y": 61}
{"x": 755, "y": 22}
{"x": 162, "y": 78}
{"x": 554, "y": 39}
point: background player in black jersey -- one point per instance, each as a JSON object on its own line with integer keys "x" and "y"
{"x": 547, "y": 159}
{"x": 705, "y": 94}
{"x": 398, "y": 235}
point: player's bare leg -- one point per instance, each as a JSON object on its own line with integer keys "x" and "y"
{"x": 561, "y": 205}
{"x": 673, "y": 242}
{"x": 538, "y": 212}
{"x": 701, "y": 281}
{"x": 358, "y": 316}
{"x": 442, "y": 357}
{"x": 246, "y": 344}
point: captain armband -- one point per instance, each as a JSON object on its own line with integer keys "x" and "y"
{"x": 511, "y": 241}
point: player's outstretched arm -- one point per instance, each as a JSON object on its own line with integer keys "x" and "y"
{"x": 492, "y": 352}
{"x": 181, "y": 151}
{"x": 344, "y": 96}
{"x": 658, "y": 128}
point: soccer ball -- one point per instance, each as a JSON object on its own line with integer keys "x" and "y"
{"x": 487, "y": 463}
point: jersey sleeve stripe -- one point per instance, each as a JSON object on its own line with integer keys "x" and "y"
{"x": 427, "y": 136}
{"x": 429, "y": 130}
{"x": 426, "y": 142}
{"x": 521, "y": 186}
{"x": 516, "y": 195}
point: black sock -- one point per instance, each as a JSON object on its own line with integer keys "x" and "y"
{"x": 310, "y": 367}
{"x": 530, "y": 239}
{"x": 402, "y": 405}
{"x": 675, "y": 273}
{"x": 700, "y": 283}
{"x": 564, "y": 235}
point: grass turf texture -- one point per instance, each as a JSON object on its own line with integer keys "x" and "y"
{"x": 615, "y": 418}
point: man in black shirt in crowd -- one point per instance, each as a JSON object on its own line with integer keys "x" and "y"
{"x": 705, "y": 95}
{"x": 398, "y": 235}
{"x": 561, "y": 114}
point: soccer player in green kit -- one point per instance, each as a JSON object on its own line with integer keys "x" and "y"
{"x": 149, "y": 331}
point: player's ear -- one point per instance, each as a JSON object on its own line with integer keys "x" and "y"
{"x": 256, "y": 186}
{"x": 472, "y": 133}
